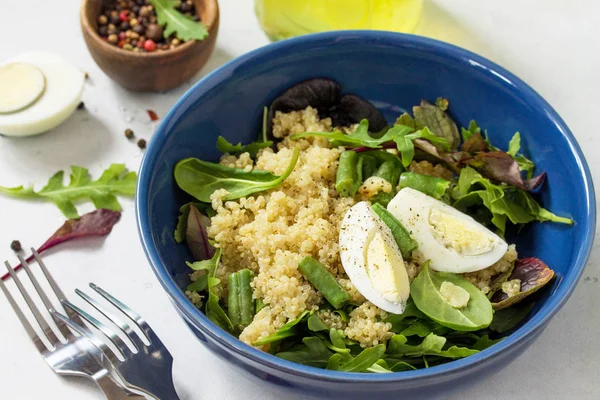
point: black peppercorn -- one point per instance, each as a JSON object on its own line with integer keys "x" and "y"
{"x": 16, "y": 246}
{"x": 185, "y": 7}
{"x": 139, "y": 29}
{"x": 114, "y": 19}
{"x": 103, "y": 30}
{"x": 141, "y": 144}
{"x": 124, "y": 25}
{"x": 154, "y": 32}
{"x": 129, "y": 133}
{"x": 81, "y": 105}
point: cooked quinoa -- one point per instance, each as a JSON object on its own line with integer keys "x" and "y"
{"x": 270, "y": 232}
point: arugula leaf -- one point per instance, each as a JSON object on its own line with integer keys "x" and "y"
{"x": 360, "y": 137}
{"x": 410, "y": 311}
{"x": 183, "y": 26}
{"x": 379, "y": 367}
{"x": 472, "y": 130}
{"x": 431, "y": 345}
{"x": 287, "y": 330}
{"x": 364, "y": 360}
{"x": 202, "y": 178}
{"x": 503, "y": 201}
{"x": 514, "y": 145}
{"x": 115, "y": 180}
{"x": 225, "y": 147}
{"x": 313, "y": 352}
{"x": 210, "y": 266}
{"x": 484, "y": 342}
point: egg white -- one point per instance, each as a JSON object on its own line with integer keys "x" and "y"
{"x": 413, "y": 209}
{"x": 358, "y": 228}
{"x": 61, "y": 96}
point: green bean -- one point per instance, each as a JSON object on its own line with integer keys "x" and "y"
{"x": 369, "y": 166}
{"x": 405, "y": 242}
{"x": 325, "y": 283}
{"x": 240, "y": 303}
{"x": 347, "y": 179}
{"x": 430, "y": 185}
{"x": 390, "y": 171}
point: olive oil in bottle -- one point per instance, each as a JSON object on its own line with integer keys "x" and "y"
{"x": 281, "y": 19}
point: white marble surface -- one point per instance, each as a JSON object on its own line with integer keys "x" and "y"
{"x": 551, "y": 44}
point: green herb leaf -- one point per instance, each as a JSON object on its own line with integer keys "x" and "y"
{"x": 411, "y": 311}
{"x": 501, "y": 200}
{"x": 115, "y": 180}
{"x": 364, "y": 360}
{"x": 210, "y": 266}
{"x": 315, "y": 324}
{"x": 183, "y": 26}
{"x": 514, "y": 145}
{"x": 214, "y": 311}
{"x": 287, "y": 330}
{"x": 202, "y": 178}
{"x": 484, "y": 342}
{"x": 425, "y": 292}
{"x": 225, "y": 147}
{"x": 313, "y": 352}
{"x": 432, "y": 345}
{"x": 472, "y": 130}
{"x": 438, "y": 121}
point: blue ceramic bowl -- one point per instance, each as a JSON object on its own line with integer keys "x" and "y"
{"x": 395, "y": 72}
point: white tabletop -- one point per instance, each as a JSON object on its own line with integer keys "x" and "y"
{"x": 551, "y": 44}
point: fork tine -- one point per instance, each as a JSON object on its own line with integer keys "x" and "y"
{"x": 124, "y": 327}
{"x": 79, "y": 329}
{"x": 48, "y": 332}
{"x": 133, "y": 316}
{"x": 47, "y": 303}
{"x": 30, "y": 331}
{"x": 55, "y": 288}
{"x": 110, "y": 335}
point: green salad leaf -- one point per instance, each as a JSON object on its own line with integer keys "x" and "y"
{"x": 312, "y": 352}
{"x": 508, "y": 318}
{"x": 287, "y": 330}
{"x": 183, "y": 26}
{"x": 214, "y": 311}
{"x": 425, "y": 292}
{"x": 364, "y": 360}
{"x": 225, "y": 147}
{"x": 202, "y": 178}
{"x": 504, "y": 202}
{"x": 115, "y": 180}
{"x": 435, "y": 118}
{"x": 315, "y": 324}
{"x": 432, "y": 345}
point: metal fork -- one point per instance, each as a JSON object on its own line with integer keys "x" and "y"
{"x": 150, "y": 366}
{"x": 69, "y": 355}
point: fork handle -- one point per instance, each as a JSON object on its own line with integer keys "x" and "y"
{"x": 113, "y": 389}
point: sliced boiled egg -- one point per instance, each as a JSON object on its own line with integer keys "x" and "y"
{"x": 372, "y": 259}
{"x": 38, "y": 91}
{"x": 450, "y": 239}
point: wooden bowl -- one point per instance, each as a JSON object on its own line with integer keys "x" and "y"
{"x": 156, "y": 71}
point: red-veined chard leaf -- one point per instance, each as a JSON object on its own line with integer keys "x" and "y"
{"x": 533, "y": 274}
{"x": 95, "y": 223}
{"x": 196, "y": 236}
{"x": 501, "y": 167}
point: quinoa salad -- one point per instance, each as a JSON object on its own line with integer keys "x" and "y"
{"x": 340, "y": 242}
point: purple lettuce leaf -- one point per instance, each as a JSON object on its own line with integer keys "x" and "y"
{"x": 96, "y": 223}
{"x": 196, "y": 236}
{"x": 500, "y": 166}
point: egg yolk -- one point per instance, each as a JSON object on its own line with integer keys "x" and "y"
{"x": 459, "y": 235}
{"x": 383, "y": 268}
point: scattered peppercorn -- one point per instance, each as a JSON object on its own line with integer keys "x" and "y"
{"x": 141, "y": 144}
{"x": 81, "y": 105}
{"x": 132, "y": 25}
{"x": 16, "y": 246}
{"x": 129, "y": 134}
{"x": 149, "y": 45}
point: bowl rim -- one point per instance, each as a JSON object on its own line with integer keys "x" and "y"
{"x": 522, "y": 335}
{"x": 212, "y": 7}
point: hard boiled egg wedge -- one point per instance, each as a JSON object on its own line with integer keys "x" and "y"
{"x": 38, "y": 91}
{"x": 450, "y": 239}
{"x": 372, "y": 259}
